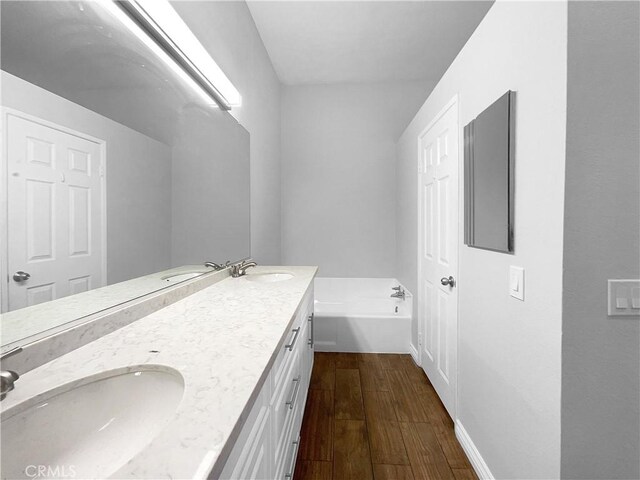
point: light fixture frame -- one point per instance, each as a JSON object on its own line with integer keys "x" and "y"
{"x": 138, "y": 14}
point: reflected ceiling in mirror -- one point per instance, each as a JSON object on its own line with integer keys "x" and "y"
{"x": 83, "y": 52}
{"x": 118, "y": 172}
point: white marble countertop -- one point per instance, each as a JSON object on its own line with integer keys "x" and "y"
{"x": 222, "y": 340}
{"x": 45, "y": 318}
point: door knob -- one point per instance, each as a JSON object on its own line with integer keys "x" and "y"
{"x": 21, "y": 277}
{"x": 448, "y": 281}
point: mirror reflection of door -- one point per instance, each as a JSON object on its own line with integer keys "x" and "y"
{"x": 55, "y": 211}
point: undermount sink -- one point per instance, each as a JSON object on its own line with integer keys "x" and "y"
{"x": 268, "y": 277}
{"x": 89, "y": 428}
{"x": 180, "y": 277}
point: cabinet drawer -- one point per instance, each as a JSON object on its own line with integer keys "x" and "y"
{"x": 285, "y": 469}
{"x": 283, "y": 406}
{"x": 307, "y": 355}
{"x": 285, "y": 355}
{"x": 294, "y": 337}
{"x": 291, "y": 458}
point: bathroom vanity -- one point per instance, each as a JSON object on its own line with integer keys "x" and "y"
{"x": 212, "y": 386}
{"x": 268, "y": 443}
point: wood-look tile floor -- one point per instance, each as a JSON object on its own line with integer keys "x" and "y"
{"x": 376, "y": 416}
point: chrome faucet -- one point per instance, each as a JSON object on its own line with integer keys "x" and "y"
{"x": 240, "y": 269}
{"x": 217, "y": 266}
{"x": 8, "y": 377}
{"x": 399, "y": 292}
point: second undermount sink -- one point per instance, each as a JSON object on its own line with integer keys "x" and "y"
{"x": 268, "y": 277}
{"x": 89, "y": 428}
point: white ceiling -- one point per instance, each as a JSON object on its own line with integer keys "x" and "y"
{"x": 321, "y": 42}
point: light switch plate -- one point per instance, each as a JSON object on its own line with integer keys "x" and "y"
{"x": 516, "y": 282}
{"x": 623, "y": 298}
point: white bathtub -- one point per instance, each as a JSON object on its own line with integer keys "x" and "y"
{"x": 358, "y": 315}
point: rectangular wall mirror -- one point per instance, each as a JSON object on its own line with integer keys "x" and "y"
{"x": 489, "y": 142}
{"x": 119, "y": 176}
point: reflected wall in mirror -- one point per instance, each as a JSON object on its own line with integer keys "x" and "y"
{"x": 489, "y": 146}
{"x": 119, "y": 177}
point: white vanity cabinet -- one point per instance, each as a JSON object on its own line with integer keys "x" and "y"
{"x": 267, "y": 446}
{"x": 250, "y": 455}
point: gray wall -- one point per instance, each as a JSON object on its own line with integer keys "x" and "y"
{"x": 338, "y": 174}
{"x": 227, "y": 31}
{"x": 509, "y": 351}
{"x": 138, "y": 180}
{"x": 601, "y": 355}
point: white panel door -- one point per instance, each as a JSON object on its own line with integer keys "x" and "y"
{"x": 438, "y": 252}
{"x": 55, "y": 211}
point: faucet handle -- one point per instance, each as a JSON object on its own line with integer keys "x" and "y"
{"x": 239, "y": 269}
{"x": 397, "y": 289}
{"x": 8, "y": 377}
{"x": 216, "y": 266}
{"x": 7, "y": 381}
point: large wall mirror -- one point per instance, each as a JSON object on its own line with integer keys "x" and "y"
{"x": 119, "y": 176}
{"x": 489, "y": 145}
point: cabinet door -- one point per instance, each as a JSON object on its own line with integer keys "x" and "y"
{"x": 250, "y": 457}
{"x": 256, "y": 464}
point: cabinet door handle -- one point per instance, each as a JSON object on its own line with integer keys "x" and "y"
{"x": 295, "y": 331}
{"x": 294, "y": 395}
{"x": 310, "y": 319}
{"x": 295, "y": 444}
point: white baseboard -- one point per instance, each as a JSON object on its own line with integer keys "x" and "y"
{"x": 414, "y": 354}
{"x": 478, "y": 463}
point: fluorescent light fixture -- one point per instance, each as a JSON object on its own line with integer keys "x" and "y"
{"x": 164, "y": 23}
{"x": 160, "y": 27}
{"x": 132, "y": 26}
